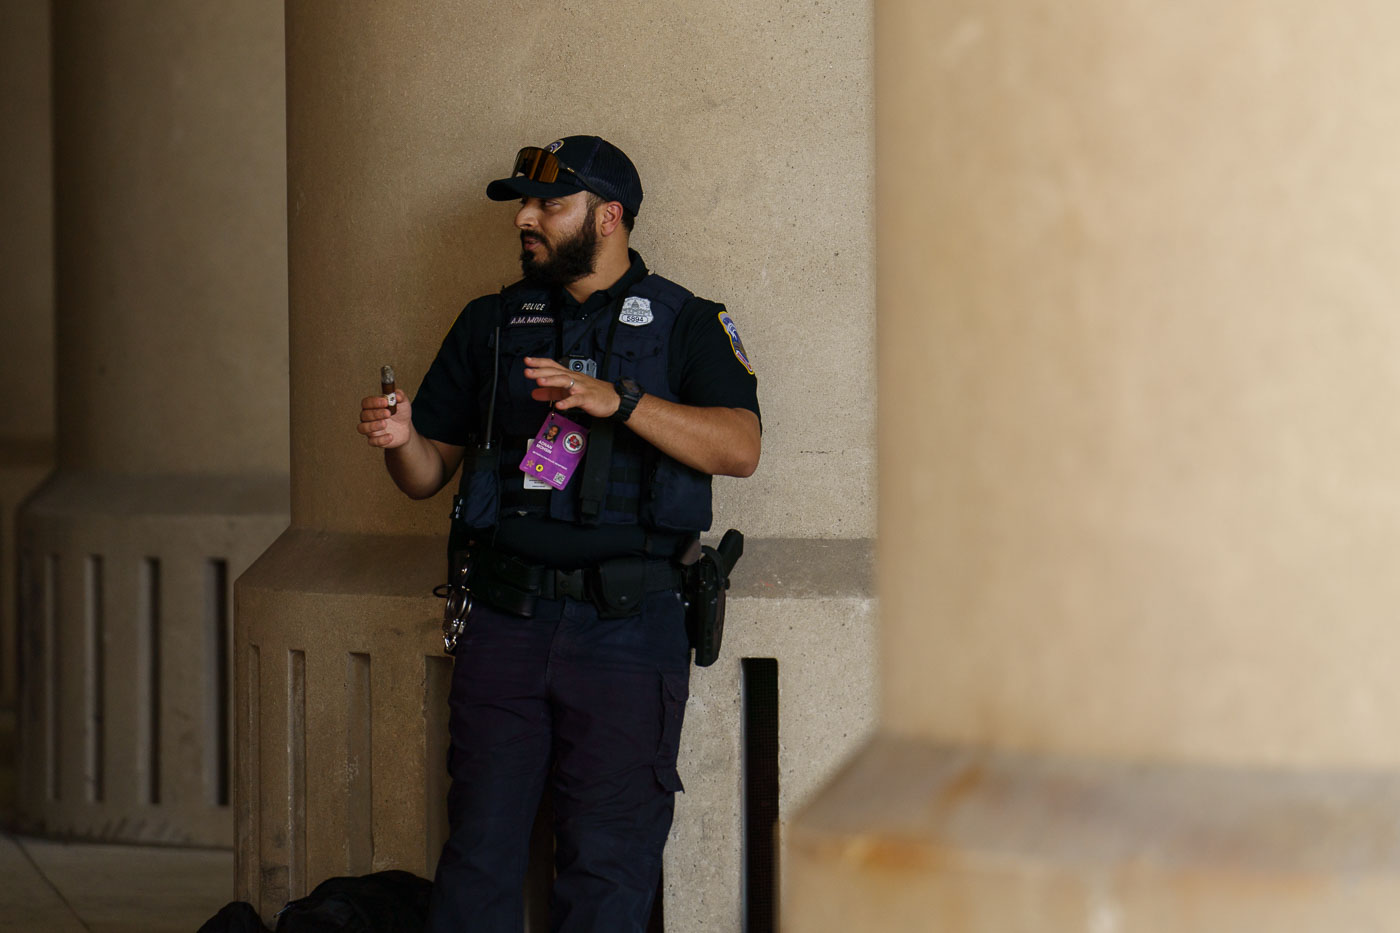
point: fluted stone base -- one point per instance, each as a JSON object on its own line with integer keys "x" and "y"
{"x": 342, "y": 713}
{"x": 341, "y": 700}
{"x": 913, "y": 836}
{"x": 125, "y": 724}
{"x": 23, "y": 468}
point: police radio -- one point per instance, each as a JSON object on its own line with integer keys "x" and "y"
{"x": 460, "y": 545}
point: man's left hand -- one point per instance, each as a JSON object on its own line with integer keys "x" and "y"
{"x": 567, "y": 389}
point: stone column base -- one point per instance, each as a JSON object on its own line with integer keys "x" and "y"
{"x": 913, "y": 836}
{"x": 341, "y": 700}
{"x": 342, "y": 715}
{"x": 24, "y": 467}
{"x": 125, "y": 726}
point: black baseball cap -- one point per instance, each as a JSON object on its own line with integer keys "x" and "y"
{"x": 569, "y": 165}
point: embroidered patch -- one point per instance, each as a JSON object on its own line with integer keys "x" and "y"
{"x": 636, "y": 311}
{"x": 555, "y": 146}
{"x": 727, "y": 323}
{"x": 519, "y": 319}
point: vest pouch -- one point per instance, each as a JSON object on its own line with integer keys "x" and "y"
{"x": 679, "y": 498}
{"x": 638, "y": 355}
{"x": 506, "y": 582}
{"x": 480, "y": 492}
{"x": 517, "y": 414}
{"x": 619, "y": 586}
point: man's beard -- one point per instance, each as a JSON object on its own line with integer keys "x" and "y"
{"x": 570, "y": 260}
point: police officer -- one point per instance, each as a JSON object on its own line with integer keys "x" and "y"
{"x": 623, "y": 394}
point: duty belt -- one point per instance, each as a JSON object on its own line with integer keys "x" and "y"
{"x": 657, "y": 575}
{"x": 615, "y": 586}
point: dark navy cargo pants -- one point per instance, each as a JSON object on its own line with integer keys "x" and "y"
{"x": 592, "y": 705}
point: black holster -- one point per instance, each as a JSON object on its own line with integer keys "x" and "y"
{"x": 706, "y": 581}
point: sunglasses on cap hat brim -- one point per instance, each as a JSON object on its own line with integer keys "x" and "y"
{"x": 537, "y": 174}
{"x": 538, "y": 164}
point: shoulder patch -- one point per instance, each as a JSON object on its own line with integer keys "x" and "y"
{"x": 727, "y": 323}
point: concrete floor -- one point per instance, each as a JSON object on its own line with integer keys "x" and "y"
{"x": 66, "y": 887}
{"x": 58, "y": 887}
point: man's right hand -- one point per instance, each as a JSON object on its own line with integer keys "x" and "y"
{"x": 419, "y": 465}
{"x": 382, "y": 429}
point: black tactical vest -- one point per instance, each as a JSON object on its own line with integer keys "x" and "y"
{"x": 643, "y": 485}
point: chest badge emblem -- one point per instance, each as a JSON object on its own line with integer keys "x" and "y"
{"x": 636, "y": 311}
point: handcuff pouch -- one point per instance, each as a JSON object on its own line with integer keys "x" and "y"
{"x": 619, "y": 586}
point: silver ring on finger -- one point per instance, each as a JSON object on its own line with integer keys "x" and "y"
{"x": 571, "y": 382}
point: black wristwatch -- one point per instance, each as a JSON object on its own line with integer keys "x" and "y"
{"x": 629, "y": 394}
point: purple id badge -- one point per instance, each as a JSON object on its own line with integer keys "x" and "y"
{"x": 555, "y": 454}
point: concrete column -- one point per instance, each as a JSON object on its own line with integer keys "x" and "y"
{"x": 171, "y": 309}
{"x": 1137, "y": 496}
{"x": 26, "y": 309}
{"x": 752, "y": 135}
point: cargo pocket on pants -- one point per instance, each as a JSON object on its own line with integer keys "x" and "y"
{"x": 675, "y": 690}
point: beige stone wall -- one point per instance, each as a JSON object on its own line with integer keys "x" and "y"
{"x": 171, "y": 253}
{"x": 1158, "y": 336}
{"x": 26, "y": 239}
{"x": 1137, "y": 321}
{"x": 751, "y": 129}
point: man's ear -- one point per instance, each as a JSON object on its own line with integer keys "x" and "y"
{"x": 609, "y": 217}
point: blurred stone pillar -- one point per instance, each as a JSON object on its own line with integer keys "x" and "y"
{"x": 1139, "y": 448}
{"x": 749, "y": 131}
{"x": 172, "y": 451}
{"x": 26, "y": 316}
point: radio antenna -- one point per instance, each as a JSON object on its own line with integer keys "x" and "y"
{"x": 495, "y": 383}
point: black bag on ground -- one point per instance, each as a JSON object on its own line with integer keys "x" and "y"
{"x": 234, "y": 917}
{"x": 384, "y": 902}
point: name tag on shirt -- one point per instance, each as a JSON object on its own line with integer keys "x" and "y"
{"x": 554, "y": 455}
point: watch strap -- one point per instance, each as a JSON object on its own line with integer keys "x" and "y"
{"x": 629, "y": 393}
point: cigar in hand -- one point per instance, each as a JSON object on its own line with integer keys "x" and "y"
{"x": 386, "y": 386}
